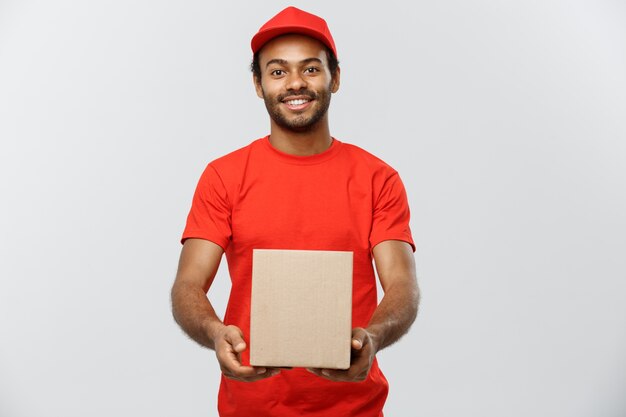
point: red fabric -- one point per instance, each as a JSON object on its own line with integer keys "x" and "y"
{"x": 293, "y": 20}
{"x": 343, "y": 199}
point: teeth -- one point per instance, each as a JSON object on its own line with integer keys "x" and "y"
{"x": 297, "y": 102}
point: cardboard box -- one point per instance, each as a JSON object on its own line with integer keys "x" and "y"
{"x": 301, "y": 311}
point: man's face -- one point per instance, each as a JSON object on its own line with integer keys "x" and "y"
{"x": 296, "y": 83}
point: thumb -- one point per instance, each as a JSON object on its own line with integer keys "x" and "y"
{"x": 235, "y": 338}
{"x": 358, "y": 340}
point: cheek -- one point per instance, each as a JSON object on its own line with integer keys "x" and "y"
{"x": 268, "y": 90}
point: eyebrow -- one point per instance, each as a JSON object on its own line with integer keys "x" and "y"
{"x": 279, "y": 61}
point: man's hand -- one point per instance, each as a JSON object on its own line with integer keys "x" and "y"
{"x": 229, "y": 344}
{"x": 361, "y": 359}
{"x": 393, "y": 316}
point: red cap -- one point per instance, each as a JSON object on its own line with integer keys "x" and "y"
{"x": 293, "y": 20}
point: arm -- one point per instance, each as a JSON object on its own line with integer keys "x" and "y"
{"x": 393, "y": 316}
{"x": 398, "y": 308}
{"x": 194, "y": 313}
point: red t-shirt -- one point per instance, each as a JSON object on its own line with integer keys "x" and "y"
{"x": 343, "y": 199}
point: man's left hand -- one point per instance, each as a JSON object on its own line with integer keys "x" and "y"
{"x": 362, "y": 356}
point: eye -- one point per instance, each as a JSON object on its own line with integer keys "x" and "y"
{"x": 277, "y": 73}
{"x": 311, "y": 70}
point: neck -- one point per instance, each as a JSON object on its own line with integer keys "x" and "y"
{"x": 310, "y": 142}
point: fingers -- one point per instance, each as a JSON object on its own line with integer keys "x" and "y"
{"x": 230, "y": 344}
{"x": 360, "y": 363}
{"x": 249, "y": 373}
{"x": 228, "y": 347}
{"x": 356, "y": 373}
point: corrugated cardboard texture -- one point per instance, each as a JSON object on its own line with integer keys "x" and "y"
{"x": 301, "y": 312}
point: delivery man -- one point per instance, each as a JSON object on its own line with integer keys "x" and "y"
{"x": 298, "y": 188}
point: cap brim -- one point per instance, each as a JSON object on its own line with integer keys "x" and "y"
{"x": 261, "y": 38}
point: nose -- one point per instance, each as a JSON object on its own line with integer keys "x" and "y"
{"x": 295, "y": 81}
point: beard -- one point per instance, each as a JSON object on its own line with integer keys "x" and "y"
{"x": 300, "y": 122}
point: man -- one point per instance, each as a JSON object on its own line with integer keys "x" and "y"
{"x": 298, "y": 188}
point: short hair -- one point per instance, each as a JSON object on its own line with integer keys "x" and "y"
{"x": 333, "y": 64}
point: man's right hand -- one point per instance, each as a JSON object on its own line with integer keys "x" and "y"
{"x": 199, "y": 260}
{"x": 229, "y": 344}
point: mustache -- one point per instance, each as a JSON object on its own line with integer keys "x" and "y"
{"x": 303, "y": 92}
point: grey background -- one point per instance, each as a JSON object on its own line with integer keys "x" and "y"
{"x": 504, "y": 118}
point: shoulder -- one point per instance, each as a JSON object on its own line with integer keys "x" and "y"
{"x": 234, "y": 160}
{"x": 225, "y": 170}
{"x": 382, "y": 176}
{"x": 367, "y": 160}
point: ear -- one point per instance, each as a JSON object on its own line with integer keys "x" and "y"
{"x": 334, "y": 83}
{"x": 257, "y": 86}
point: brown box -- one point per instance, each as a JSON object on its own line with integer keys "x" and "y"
{"x": 301, "y": 311}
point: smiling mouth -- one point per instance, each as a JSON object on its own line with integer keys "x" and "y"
{"x": 297, "y": 103}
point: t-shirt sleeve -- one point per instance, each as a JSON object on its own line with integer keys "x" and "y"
{"x": 210, "y": 214}
{"x": 391, "y": 214}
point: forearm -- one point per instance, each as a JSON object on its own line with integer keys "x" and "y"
{"x": 194, "y": 314}
{"x": 395, "y": 314}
